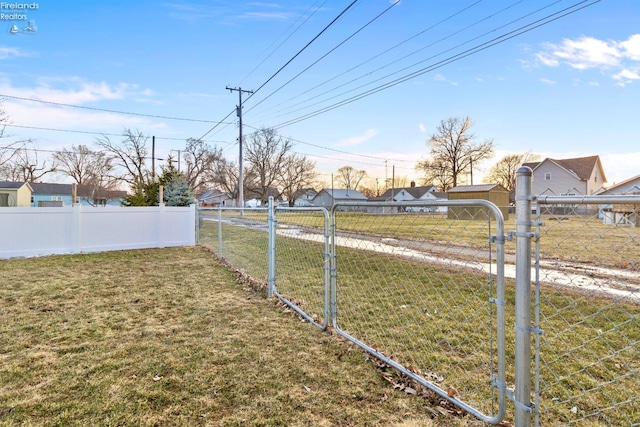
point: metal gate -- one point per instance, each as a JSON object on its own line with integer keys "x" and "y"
{"x": 421, "y": 287}
{"x": 300, "y": 237}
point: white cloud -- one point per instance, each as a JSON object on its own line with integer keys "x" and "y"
{"x": 72, "y": 91}
{"x": 548, "y": 82}
{"x": 422, "y": 127}
{"x": 587, "y": 52}
{"x": 626, "y": 76}
{"x": 441, "y": 78}
{"x": 547, "y": 59}
{"x": 7, "y": 52}
{"x": 617, "y": 57}
{"x": 358, "y": 139}
{"x": 631, "y": 47}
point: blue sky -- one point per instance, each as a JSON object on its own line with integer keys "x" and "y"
{"x": 367, "y": 91}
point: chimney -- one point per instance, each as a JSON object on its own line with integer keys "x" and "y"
{"x": 413, "y": 184}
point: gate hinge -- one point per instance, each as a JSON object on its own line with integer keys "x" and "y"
{"x": 530, "y": 408}
{"x": 530, "y": 234}
{"x": 499, "y": 239}
{"x": 530, "y": 329}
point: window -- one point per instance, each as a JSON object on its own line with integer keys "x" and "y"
{"x": 4, "y": 199}
{"x": 56, "y": 198}
{"x": 547, "y": 176}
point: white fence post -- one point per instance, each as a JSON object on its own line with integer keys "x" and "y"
{"x": 522, "y": 392}
{"x": 162, "y": 225}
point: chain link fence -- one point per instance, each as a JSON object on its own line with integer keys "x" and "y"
{"x": 587, "y": 311}
{"x": 302, "y": 262}
{"x": 424, "y": 293}
{"x": 534, "y": 319}
{"x": 240, "y": 237}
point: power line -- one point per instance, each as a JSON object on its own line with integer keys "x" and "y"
{"x": 335, "y": 149}
{"x": 286, "y": 38}
{"x": 287, "y": 63}
{"x": 306, "y": 46}
{"x": 60, "y": 104}
{"x": 327, "y": 54}
{"x": 478, "y": 48}
{"x": 414, "y": 52}
{"x": 377, "y": 55}
{"x": 93, "y": 133}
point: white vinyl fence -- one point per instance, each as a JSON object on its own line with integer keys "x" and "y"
{"x": 27, "y": 232}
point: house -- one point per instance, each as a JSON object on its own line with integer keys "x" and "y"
{"x": 216, "y": 198}
{"x": 327, "y": 197}
{"x": 621, "y": 214}
{"x": 15, "y": 194}
{"x": 494, "y": 193}
{"x": 581, "y": 176}
{"x": 412, "y": 194}
{"x": 90, "y": 195}
{"x": 304, "y": 197}
{"x": 47, "y": 195}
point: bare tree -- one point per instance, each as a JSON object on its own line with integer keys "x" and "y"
{"x": 437, "y": 173}
{"x": 130, "y": 155}
{"x": 266, "y": 153}
{"x": 91, "y": 170}
{"x": 200, "y": 160}
{"x": 504, "y": 172}
{"x": 350, "y": 178}
{"x": 7, "y": 149}
{"x": 297, "y": 173}
{"x": 225, "y": 176}
{"x": 25, "y": 165}
{"x": 454, "y": 152}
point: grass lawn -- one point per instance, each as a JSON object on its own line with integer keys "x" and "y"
{"x": 168, "y": 337}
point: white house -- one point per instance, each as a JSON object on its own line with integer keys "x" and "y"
{"x": 411, "y": 194}
{"x": 581, "y": 176}
{"x": 327, "y": 197}
{"x": 216, "y": 198}
{"x": 622, "y": 214}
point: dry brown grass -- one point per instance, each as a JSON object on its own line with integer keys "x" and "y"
{"x": 167, "y": 337}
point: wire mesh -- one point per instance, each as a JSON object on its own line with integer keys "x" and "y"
{"x": 418, "y": 288}
{"x": 239, "y": 237}
{"x": 302, "y": 262}
{"x": 588, "y": 307}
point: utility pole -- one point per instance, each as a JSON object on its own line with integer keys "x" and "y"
{"x": 153, "y": 158}
{"x": 239, "y": 114}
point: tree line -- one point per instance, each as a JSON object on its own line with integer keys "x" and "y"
{"x": 270, "y": 166}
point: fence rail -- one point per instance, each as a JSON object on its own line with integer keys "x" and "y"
{"x": 534, "y": 319}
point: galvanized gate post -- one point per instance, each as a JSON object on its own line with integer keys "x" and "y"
{"x": 522, "y": 392}
{"x": 271, "y": 252}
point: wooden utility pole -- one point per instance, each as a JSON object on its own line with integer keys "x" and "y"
{"x": 239, "y": 114}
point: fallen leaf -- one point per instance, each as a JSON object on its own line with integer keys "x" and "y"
{"x": 307, "y": 389}
{"x": 443, "y": 411}
{"x": 157, "y": 378}
{"x": 452, "y": 392}
{"x": 409, "y": 390}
